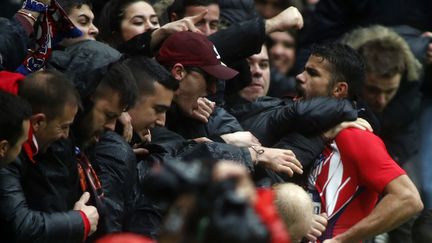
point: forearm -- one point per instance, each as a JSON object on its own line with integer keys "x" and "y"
{"x": 390, "y": 212}
{"x": 234, "y": 43}
{"x": 311, "y": 116}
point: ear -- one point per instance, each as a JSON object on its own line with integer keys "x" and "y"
{"x": 340, "y": 90}
{"x": 178, "y": 71}
{"x": 4, "y": 146}
{"x": 38, "y": 121}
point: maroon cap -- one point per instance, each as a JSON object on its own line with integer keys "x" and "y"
{"x": 194, "y": 50}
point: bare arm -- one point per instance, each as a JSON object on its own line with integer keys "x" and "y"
{"x": 400, "y": 202}
{"x": 287, "y": 19}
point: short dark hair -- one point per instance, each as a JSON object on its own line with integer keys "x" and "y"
{"x": 13, "y": 111}
{"x": 147, "y": 71}
{"x": 345, "y": 63}
{"x": 119, "y": 78}
{"x": 68, "y": 5}
{"x": 48, "y": 92}
{"x": 179, "y": 6}
{"x": 383, "y": 58}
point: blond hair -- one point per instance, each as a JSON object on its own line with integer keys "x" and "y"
{"x": 295, "y": 208}
{"x": 359, "y": 37}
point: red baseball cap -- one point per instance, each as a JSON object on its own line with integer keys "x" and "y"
{"x": 194, "y": 50}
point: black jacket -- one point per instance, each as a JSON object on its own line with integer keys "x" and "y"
{"x": 220, "y": 122}
{"x": 167, "y": 145}
{"x": 36, "y": 199}
{"x": 114, "y": 162}
{"x": 270, "y": 119}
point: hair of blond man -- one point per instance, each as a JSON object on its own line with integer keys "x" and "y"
{"x": 295, "y": 208}
{"x": 361, "y": 36}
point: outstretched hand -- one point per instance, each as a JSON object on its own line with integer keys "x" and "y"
{"x": 184, "y": 24}
{"x": 280, "y": 160}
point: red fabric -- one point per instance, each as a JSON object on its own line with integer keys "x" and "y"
{"x": 267, "y": 211}
{"x": 193, "y": 50}
{"x": 125, "y": 238}
{"x": 30, "y": 147}
{"x": 86, "y": 225}
{"x": 28, "y": 27}
{"x": 357, "y": 159}
{"x": 9, "y": 81}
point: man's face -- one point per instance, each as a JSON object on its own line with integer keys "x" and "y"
{"x": 103, "y": 115}
{"x": 82, "y": 18}
{"x": 260, "y": 70}
{"x": 139, "y": 17}
{"x": 378, "y": 91}
{"x": 56, "y": 128}
{"x": 210, "y": 23}
{"x": 314, "y": 81}
{"x": 12, "y": 151}
{"x": 282, "y": 53}
{"x": 150, "y": 110}
{"x": 191, "y": 87}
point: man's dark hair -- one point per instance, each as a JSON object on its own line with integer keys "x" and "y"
{"x": 68, "y": 5}
{"x": 13, "y": 111}
{"x": 383, "y": 58}
{"x": 119, "y": 78}
{"x": 147, "y": 71}
{"x": 179, "y": 6}
{"x": 346, "y": 65}
{"x": 48, "y": 92}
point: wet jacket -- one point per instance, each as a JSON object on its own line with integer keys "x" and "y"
{"x": 36, "y": 199}
{"x": 220, "y": 122}
{"x": 167, "y": 145}
{"x": 84, "y": 62}
{"x": 270, "y": 119}
{"x": 114, "y": 162}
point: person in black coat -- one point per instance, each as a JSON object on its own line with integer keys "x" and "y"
{"x": 41, "y": 200}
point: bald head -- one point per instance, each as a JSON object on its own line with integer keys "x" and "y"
{"x": 295, "y": 208}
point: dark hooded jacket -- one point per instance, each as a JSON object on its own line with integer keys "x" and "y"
{"x": 84, "y": 62}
